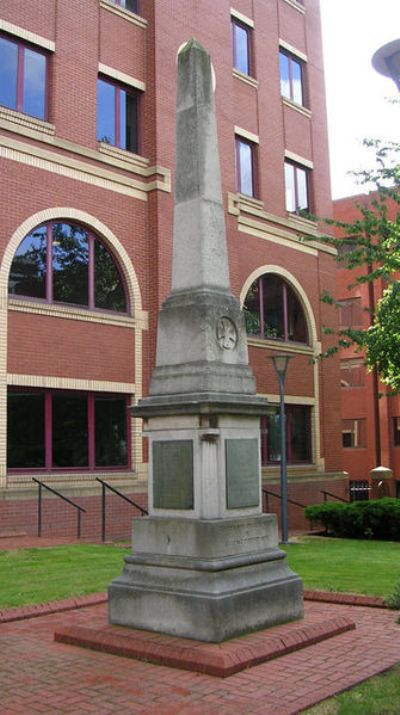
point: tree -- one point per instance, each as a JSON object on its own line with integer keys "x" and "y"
{"x": 372, "y": 242}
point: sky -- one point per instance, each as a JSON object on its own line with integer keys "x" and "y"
{"x": 352, "y": 30}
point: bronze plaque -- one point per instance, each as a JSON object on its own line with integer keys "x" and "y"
{"x": 242, "y": 478}
{"x": 173, "y": 474}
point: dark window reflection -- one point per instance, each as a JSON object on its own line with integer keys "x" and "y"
{"x": 251, "y": 309}
{"x": 110, "y": 431}
{"x": 273, "y": 311}
{"x": 8, "y": 73}
{"x": 128, "y": 118}
{"x": 70, "y": 264}
{"x": 28, "y": 269}
{"x": 298, "y": 435}
{"x": 25, "y": 430}
{"x": 117, "y": 116}
{"x": 109, "y": 290}
{"x": 70, "y": 431}
{"x": 273, "y": 307}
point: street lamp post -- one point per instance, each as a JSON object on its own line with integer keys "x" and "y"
{"x": 386, "y": 61}
{"x": 281, "y": 365}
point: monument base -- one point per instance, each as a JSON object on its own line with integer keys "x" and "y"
{"x": 209, "y": 580}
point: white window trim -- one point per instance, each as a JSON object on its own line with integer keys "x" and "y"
{"x": 244, "y": 134}
{"x": 242, "y": 18}
{"x": 297, "y": 159}
{"x": 28, "y": 36}
{"x": 292, "y": 50}
{"x": 121, "y": 77}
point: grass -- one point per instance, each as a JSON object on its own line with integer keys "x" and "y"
{"x": 347, "y": 565}
{"x": 379, "y": 695}
{"x": 31, "y": 576}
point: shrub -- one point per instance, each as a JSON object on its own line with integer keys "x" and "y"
{"x": 393, "y": 600}
{"x": 374, "y": 519}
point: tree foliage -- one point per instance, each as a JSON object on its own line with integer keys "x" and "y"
{"x": 372, "y": 243}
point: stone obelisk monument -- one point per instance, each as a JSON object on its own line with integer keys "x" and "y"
{"x": 205, "y": 563}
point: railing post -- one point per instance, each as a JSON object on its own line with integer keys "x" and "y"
{"x": 40, "y": 510}
{"x": 79, "y": 524}
{"x": 103, "y": 512}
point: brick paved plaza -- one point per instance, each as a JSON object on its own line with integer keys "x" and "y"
{"x": 38, "y": 675}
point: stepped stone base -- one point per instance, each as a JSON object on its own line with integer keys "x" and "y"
{"x": 209, "y": 580}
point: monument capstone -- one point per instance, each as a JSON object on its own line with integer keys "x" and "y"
{"x": 205, "y": 563}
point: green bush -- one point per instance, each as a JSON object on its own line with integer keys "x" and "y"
{"x": 374, "y": 519}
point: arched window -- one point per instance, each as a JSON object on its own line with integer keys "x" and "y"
{"x": 61, "y": 262}
{"x": 273, "y": 311}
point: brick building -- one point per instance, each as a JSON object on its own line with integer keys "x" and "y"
{"x": 370, "y": 417}
{"x": 87, "y": 139}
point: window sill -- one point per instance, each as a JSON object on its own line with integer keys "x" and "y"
{"x": 296, "y": 5}
{"x": 129, "y": 157}
{"x": 297, "y": 107}
{"x": 70, "y": 312}
{"x": 247, "y": 79}
{"x": 10, "y": 119}
{"x": 125, "y": 14}
{"x": 279, "y": 345}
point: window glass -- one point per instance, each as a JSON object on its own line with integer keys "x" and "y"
{"x": 352, "y": 373}
{"x": 290, "y": 190}
{"x": 302, "y": 192}
{"x": 298, "y": 435}
{"x": 108, "y": 285}
{"x": 70, "y": 431}
{"x": 273, "y": 307}
{"x": 131, "y": 5}
{"x": 111, "y": 447}
{"x": 354, "y": 433}
{"x": 25, "y": 430}
{"x": 297, "y": 85}
{"x": 297, "y": 327}
{"x": 28, "y": 269}
{"x": 8, "y": 73}
{"x": 245, "y": 161}
{"x": 70, "y": 264}
{"x": 241, "y": 59}
{"x": 396, "y": 431}
{"x": 34, "y": 84}
{"x": 350, "y": 313}
{"x": 129, "y": 117}
{"x": 251, "y": 309}
{"x": 273, "y": 310}
{"x": 106, "y": 130}
{"x": 284, "y": 72}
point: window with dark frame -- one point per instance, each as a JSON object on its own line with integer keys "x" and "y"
{"x": 241, "y": 47}
{"x": 65, "y": 263}
{"x": 297, "y": 188}
{"x": 23, "y": 78}
{"x": 352, "y": 373}
{"x": 51, "y": 429}
{"x": 292, "y": 77}
{"x": 245, "y": 166}
{"x": 350, "y": 313}
{"x": 273, "y": 311}
{"x": 132, "y": 5}
{"x": 298, "y": 435}
{"x": 117, "y": 115}
{"x": 353, "y": 433}
{"x": 396, "y": 431}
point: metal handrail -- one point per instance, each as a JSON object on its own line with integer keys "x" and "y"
{"x": 64, "y": 498}
{"x": 334, "y": 496}
{"x": 268, "y": 493}
{"x": 104, "y": 486}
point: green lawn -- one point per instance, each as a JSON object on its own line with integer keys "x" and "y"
{"x": 39, "y": 575}
{"x": 377, "y": 696}
{"x": 46, "y": 574}
{"x": 349, "y": 565}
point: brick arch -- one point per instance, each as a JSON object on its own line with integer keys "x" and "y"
{"x": 82, "y": 217}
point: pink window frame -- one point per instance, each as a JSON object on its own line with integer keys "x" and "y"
{"x": 48, "y": 435}
{"x": 22, "y": 46}
{"x": 91, "y": 277}
{"x": 291, "y": 59}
